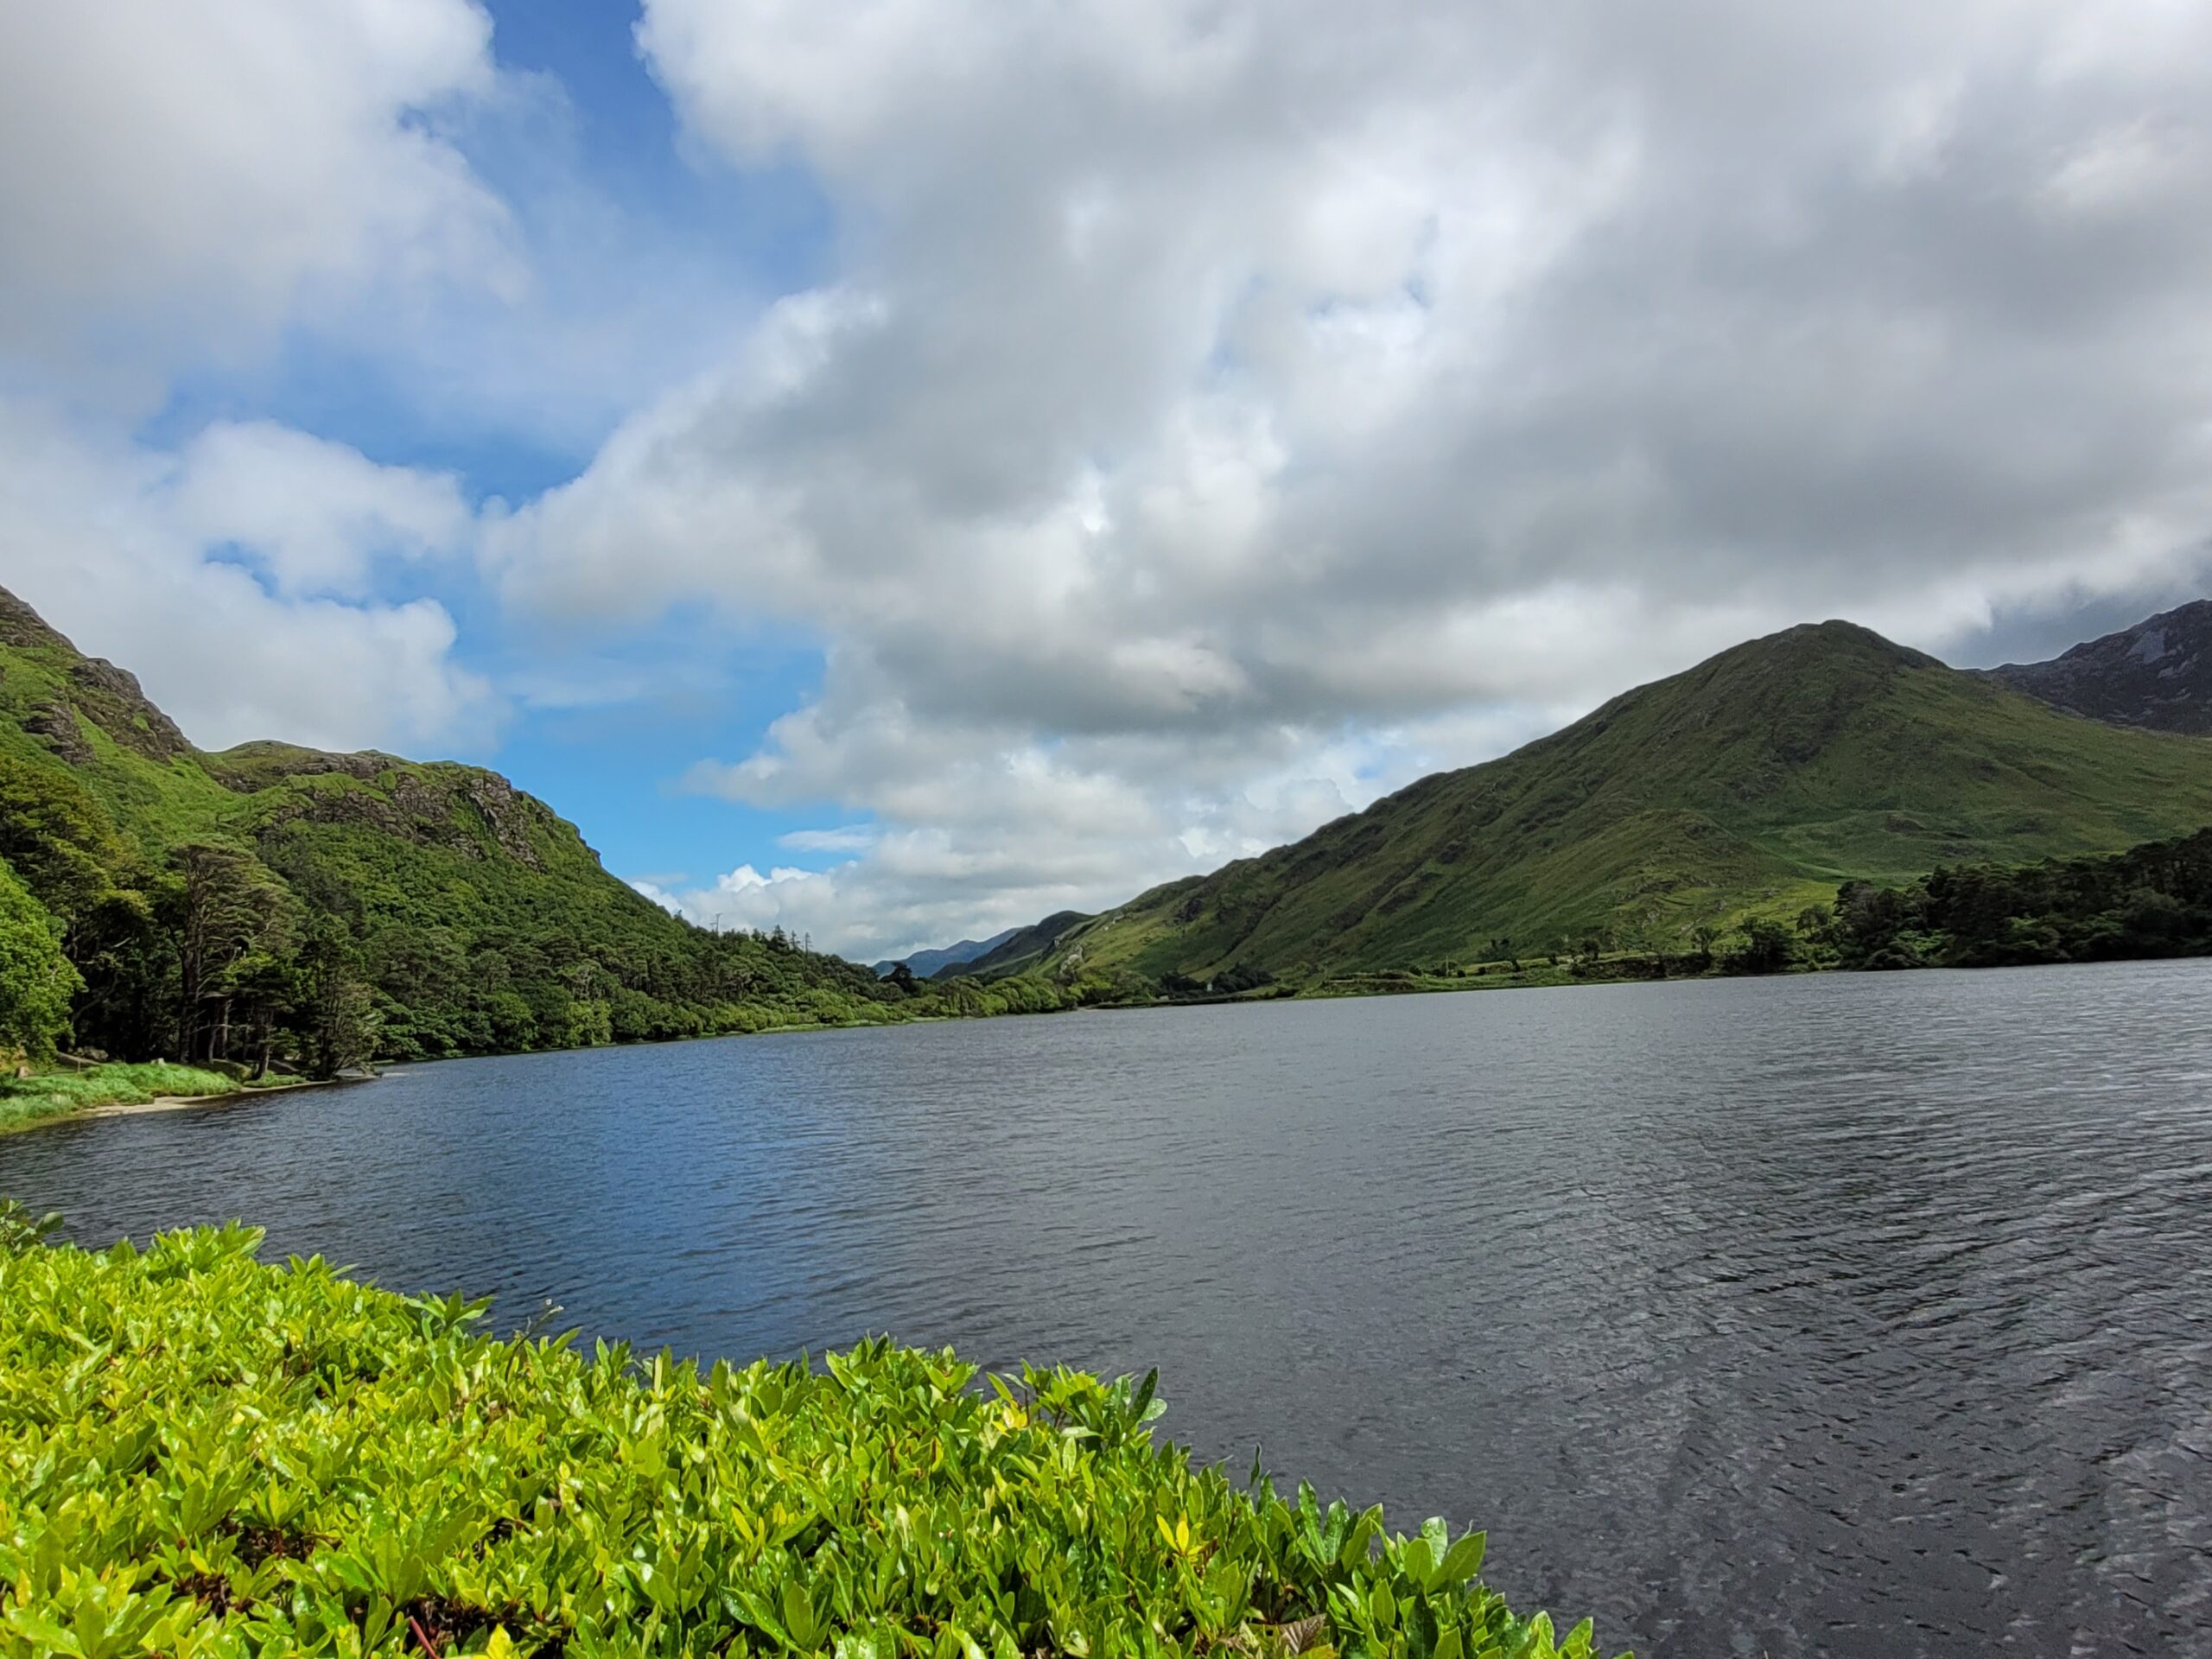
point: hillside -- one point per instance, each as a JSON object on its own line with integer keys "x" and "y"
{"x": 2156, "y": 675}
{"x": 1018, "y": 949}
{"x": 1756, "y": 781}
{"x": 271, "y": 899}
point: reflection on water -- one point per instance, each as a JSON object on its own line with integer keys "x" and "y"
{"x": 1859, "y": 1315}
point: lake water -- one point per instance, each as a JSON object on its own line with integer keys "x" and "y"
{"x": 1859, "y": 1315}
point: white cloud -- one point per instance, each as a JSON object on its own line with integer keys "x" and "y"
{"x": 110, "y": 542}
{"x": 846, "y": 838}
{"x": 316, "y": 515}
{"x": 1222, "y": 403}
{"x": 176, "y": 179}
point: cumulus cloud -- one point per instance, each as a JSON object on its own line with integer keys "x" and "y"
{"x": 1210, "y": 392}
{"x": 176, "y": 178}
{"x": 914, "y": 889}
{"x": 111, "y": 543}
{"x": 982, "y": 829}
{"x": 315, "y": 515}
{"x": 180, "y": 185}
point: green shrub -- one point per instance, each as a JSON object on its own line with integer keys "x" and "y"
{"x": 202, "y": 1457}
{"x": 36, "y": 980}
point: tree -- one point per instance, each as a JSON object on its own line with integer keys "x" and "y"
{"x": 335, "y": 1017}
{"x": 56, "y": 837}
{"x": 264, "y": 991}
{"x": 1767, "y": 948}
{"x": 225, "y": 909}
{"x": 36, "y": 980}
{"x": 128, "y": 960}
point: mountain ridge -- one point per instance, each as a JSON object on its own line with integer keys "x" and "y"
{"x": 1019, "y": 949}
{"x": 2156, "y": 675}
{"x": 1754, "y": 782}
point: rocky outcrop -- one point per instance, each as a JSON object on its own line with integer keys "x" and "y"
{"x": 56, "y": 723}
{"x": 252, "y": 767}
{"x": 506, "y": 812}
{"x": 24, "y": 628}
{"x": 431, "y": 806}
{"x": 415, "y": 810}
{"x": 108, "y": 697}
{"x": 2157, "y": 674}
{"x": 112, "y": 699}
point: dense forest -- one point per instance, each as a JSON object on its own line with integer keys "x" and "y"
{"x": 2153, "y": 901}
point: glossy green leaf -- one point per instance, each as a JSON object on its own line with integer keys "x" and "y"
{"x": 203, "y": 1457}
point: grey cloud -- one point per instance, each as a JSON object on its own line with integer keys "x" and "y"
{"x": 1208, "y": 390}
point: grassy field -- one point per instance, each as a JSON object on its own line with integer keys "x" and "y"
{"x": 29, "y": 1100}
{"x": 203, "y": 1457}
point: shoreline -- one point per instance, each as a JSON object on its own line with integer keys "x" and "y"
{"x": 1373, "y": 984}
{"x": 178, "y": 1102}
{"x": 172, "y": 1104}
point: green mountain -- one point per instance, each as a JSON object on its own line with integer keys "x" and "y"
{"x": 2156, "y": 675}
{"x": 273, "y": 901}
{"x": 1018, "y": 950}
{"x": 1755, "y": 782}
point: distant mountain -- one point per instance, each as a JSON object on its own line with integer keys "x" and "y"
{"x": 1017, "y": 949}
{"x": 2156, "y": 675}
{"x": 923, "y": 964}
{"x": 222, "y": 905}
{"x": 1753, "y": 782}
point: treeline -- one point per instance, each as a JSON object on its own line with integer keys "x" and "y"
{"x": 1760, "y": 944}
{"x": 316, "y": 947}
{"x": 2153, "y": 901}
{"x": 974, "y": 999}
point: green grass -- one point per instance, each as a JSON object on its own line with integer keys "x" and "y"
{"x": 205, "y": 1458}
{"x": 1750, "y": 786}
{"x": 28, "y": 1100}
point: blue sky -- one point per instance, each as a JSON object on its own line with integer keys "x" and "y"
{"x": 613, "y": 767}
{"x": 897, "y": 468}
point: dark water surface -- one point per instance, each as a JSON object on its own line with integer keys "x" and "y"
{"x": 1859, "y": 1315}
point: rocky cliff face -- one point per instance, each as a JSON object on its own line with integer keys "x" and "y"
{"x": 90, "y": 689}
{"x": 2157, "y": 674}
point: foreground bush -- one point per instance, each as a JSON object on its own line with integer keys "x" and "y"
{"x": 202, "y": 1456}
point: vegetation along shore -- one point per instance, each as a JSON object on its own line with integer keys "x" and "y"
{"x": 302, "y": 1463}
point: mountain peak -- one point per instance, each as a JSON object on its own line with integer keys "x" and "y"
{"x": 2157, "y": 674}
{"x": 1833, "y": 637}
{"x": 26, "y": 630}
{"x": 70, "y": 688}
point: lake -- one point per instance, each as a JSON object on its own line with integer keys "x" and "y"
{"x": 1855, "y": 1314}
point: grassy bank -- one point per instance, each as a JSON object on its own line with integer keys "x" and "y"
{"x": 203, "y": 1455}
{"x": 28, "y": 1100}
